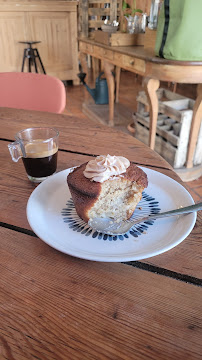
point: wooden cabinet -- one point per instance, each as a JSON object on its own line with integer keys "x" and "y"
{"x": 54, "y": 23}
{"x": 12, "y": 30}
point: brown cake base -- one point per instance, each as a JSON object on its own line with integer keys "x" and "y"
{"x": 116, "y": 198}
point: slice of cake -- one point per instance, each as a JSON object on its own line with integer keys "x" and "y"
{"x": 107, "y": 186}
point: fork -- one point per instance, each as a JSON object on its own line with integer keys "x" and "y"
{"x": 113, "y": 227}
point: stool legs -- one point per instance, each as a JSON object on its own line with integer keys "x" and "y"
{"x": 23, "y": 60}
{"x": 35, "y": 65}
{"x": 30, "y": 63}
{"x": 40, "y": 60}
{"x": 34, "y": 60}
{"x": 31, "y": 54}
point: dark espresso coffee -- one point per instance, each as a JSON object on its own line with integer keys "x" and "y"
{"x": 40, "y": 162}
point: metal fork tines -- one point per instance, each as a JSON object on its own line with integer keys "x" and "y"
{"x": 111, "y": 226}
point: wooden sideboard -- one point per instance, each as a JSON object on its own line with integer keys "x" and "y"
{"x": 52, "y": 22}
{"x": 142, "y": 61}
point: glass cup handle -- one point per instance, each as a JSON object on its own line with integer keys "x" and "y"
{"x": 15, "y": 151}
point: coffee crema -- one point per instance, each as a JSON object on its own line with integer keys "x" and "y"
{"x": 40, "y": 160}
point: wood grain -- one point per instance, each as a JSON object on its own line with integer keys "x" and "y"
{"x": 12, "y": 26}
{"x": 142, "y": 61}
{"x": 91, "y": 12}
{"x": 54, "y": 23}
{"x": 151, "y": 86}
{"x": 58, "y": 307}
{"x": 15, "y": 190}
{"x": 82, "y": 135}
{"x": 108, "y": 68}
{"x": 146, "y": 54}
{"x": 195, "y": 127}
{"x": 54, "y": 306}
{"x": 186, "y": 257}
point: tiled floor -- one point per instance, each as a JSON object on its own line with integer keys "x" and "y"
{"x": 130, "y": 86}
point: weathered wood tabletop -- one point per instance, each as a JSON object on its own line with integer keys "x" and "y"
{"x": 54, "y": 306}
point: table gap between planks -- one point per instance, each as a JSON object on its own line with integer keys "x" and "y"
{"x": 54, "y": 306}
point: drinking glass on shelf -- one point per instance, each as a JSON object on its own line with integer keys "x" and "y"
{"x": 154, "y": 13}
{"x": 133, "y": 24}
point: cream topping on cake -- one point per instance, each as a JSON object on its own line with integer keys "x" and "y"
{"x": 103, "y": 167}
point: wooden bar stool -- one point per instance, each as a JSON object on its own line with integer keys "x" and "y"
{"x": 31, "y": 54}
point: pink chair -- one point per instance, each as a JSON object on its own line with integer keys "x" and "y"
{"x": 32, "y": 91}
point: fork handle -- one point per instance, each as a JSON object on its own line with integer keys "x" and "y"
{"x": 184, "y": 210}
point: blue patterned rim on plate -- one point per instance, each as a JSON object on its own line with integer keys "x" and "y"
{"x": 147, "y": 206}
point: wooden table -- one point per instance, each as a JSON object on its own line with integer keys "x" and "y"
{"x": 54, "y": 306}
{"x": 142, "y": 61}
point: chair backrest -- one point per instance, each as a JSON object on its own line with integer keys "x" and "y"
{"x": 32, "y": 91}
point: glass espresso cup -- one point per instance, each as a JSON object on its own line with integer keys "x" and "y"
{"x": 38, "y": 148}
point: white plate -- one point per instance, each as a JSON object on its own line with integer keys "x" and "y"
{"x": 53, "y": 218}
